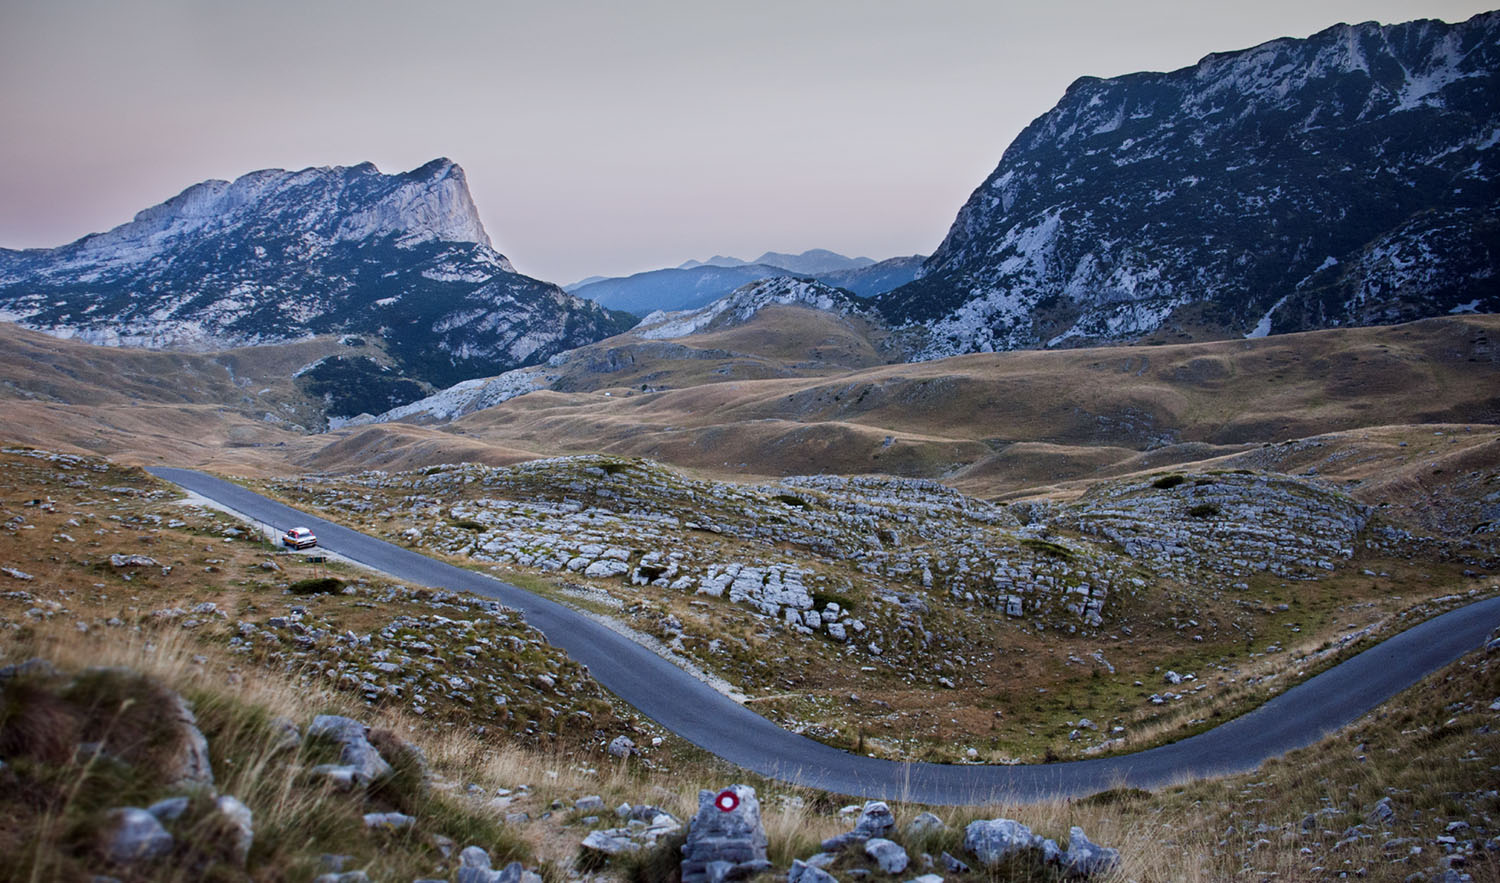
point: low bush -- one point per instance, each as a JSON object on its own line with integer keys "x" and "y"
{"x": 322, "y": 585}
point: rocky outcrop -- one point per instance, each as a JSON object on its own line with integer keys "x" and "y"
{"x": 875, "y": 820}
{"x": 358, "y": 759}
{"x": 993, "y": 841}
{"x": 726, "y": 839}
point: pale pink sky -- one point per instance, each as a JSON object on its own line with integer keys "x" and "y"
{"x": 598, "y": 137}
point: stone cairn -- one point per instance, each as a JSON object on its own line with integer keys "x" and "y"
{"x": 726, "y": 840}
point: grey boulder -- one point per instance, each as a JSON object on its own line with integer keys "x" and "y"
{"x": 237, "y": 824}
{"x": 875, "y": 820}
{"x": 888, "y": 854}
{"x": 802, "y": 872}
{"x": 474, "y": 867}
{"x": 1085, "y": 858}
{"x": 132, "y": 834}
{"x": 994, "y": 840}
{"x": 355, "y": 750}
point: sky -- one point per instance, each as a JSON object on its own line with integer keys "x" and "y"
{"x": 599, "y": 138}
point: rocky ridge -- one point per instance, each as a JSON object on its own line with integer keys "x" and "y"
{"x": 652, "y": 338}
{"x": 1345, "y": 179}
{"x": 743, "y": 303}
{"x": 276, "y": 256}
{"x": 694, "y": 285}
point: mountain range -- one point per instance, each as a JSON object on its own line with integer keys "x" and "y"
{"x": 808, "y": 263}
{"x": 276, "y": 256}
{"x": 1345, "y": 179}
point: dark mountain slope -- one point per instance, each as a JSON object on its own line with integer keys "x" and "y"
{"x": 1346, "y": 179}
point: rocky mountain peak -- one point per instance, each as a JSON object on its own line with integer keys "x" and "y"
{"x": 324, "y": 205}
{"x": 740, "y": 305}
{"x": 1342, "y": 179}
{"x": 431, "y": 202}
{"x": 278, "y": 255}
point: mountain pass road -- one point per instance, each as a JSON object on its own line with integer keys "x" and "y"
{"x": 693, "y": 710}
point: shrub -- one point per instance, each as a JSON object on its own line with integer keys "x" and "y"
{"x": 1047, "y": 547}
{"x": 323, "y": 585}
{"x": 1167, "y": 482}
{"x": 822, "y": 599}
{"x": 1204, "y": 510}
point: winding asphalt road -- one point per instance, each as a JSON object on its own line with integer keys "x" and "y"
{"x": 696, "y": 712}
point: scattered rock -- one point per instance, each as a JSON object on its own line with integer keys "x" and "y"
{"x": 622, "y": 746}
{"x": 474, "y": 867}
{"x": 875, "y": 820}
{"x": 888, "y": 854}
{"x": 924, "y": 823}
{"x": 238, "y": 825}
{"x": 388, "y": 820}
{"x": 802, "y": 872}
{"x": 1087, "y": 859}
{"x": 133, "y": 834}
{"x": 169, "y": 810}
{"x": 36, "y": 667}
{"x": 132, "y": 561}
{"x": 610, "y": 842}
{"x": 285, "y": 736}
{"x": 354, "y": 744}
{"x": 190, "y": 766}
{"x": 992, "y": 841}
{"x": 1381, "y": 813}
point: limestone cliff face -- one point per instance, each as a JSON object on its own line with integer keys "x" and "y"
{"x": 277, "y": 255}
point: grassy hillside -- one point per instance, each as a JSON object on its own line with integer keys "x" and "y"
{"x": 998, "y": 423}
{"x": 1431, "y": 754}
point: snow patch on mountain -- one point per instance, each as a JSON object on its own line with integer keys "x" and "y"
{"x": 742, "y": 304}
{"x": 1338, "y": 180}
{"x": 464, "y": 398}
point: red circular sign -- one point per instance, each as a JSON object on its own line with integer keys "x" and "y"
{"x": 727, "y": 801}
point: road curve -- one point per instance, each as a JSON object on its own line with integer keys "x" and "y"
{"x": 696, "y": 712}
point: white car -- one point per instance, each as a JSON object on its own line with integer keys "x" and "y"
{"x": 299, "y": 538}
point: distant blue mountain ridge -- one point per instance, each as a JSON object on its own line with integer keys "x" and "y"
{"x": 696, "y": 284}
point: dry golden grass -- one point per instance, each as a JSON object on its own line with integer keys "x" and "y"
{"x": 998, "y": 423}
{"x": 765, "y": 405}
{"x": 1431, "y": 748}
